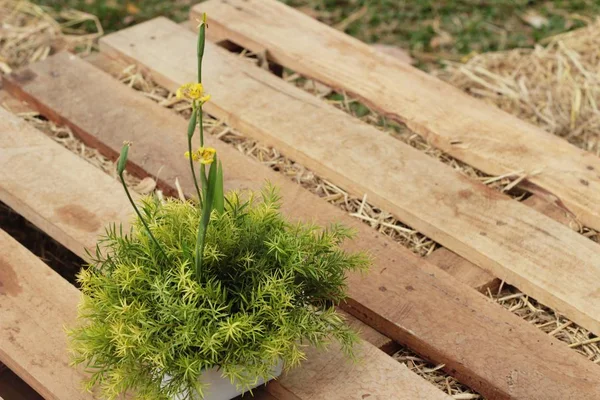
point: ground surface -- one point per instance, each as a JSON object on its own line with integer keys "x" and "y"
{"x": 433, "y": 30}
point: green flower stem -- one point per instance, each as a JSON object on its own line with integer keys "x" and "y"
{"x": 191, "y": 129}
{"x": 141, "y": 218}
{"x": 207, "y": 197}
{"x": 201, "y": 124}
{"x": 200, "y": 54}
{"x": 205, "y": 217}
{"x": 202, "y": 166}
{"x": 201, "y": 44}
{"x": 204, "y": 180}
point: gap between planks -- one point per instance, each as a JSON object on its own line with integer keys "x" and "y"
{"x": 14, "y": 388}
{"x": 543, "y": 258}
{"x": 36, "y": 303}
{"x": 404, "y": 296}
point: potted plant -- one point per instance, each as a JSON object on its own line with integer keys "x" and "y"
{"x": 207, "y": 297}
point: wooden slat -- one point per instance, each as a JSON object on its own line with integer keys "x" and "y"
{"x": 546, "y": 260}
{"x": 74, "y": 221}
{"x": 36, "y": 171}
{"x": 35, "y": 304}
{"x": 320, "y": 380}
{"x": 468, "y": 129}
{"x": 552, "y": 210}
{"x": 480, "y": 279}
{"x": 412, "y": 301}
{"x": 370, "y": 335}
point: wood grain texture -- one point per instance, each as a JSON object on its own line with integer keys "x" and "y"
{"x": 548, "y": 261}
{"x": 35, "y": 304}
{"x": 455, "y": 265}
{"x": 370, "y": 335}
{"x": 71, "y": 214}
{"x": 328, "y": 379}
{"x": 54, "y": 167}
{"x": 478, "y": 278}
{"x": 468, "y": 129}
{"x": 414, "y": 302}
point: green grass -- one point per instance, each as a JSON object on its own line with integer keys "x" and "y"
{"x": 465, "y": 25}
{"x": 117, "y": 14}
{"x": 468, "y": 25}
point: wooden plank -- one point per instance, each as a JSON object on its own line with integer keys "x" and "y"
{"x": 480, "y": 279}
{"x": 548, "y": 261}
{"x": 552, "y": 210}
{"x": 46, "y": 176}
{"x": 456, "y": 265}
{"x": 412, "y": 301}
{"x": 370, "y": 335}
{"x": 71, "y": 220}
{"x": 328, "y": 380}
{"x": 36, "y": 303}
{"x": 468, "y": 129}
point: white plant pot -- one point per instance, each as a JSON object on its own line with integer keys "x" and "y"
{"x": 221, "y": 388}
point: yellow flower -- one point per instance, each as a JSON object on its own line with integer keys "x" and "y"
{"x": 194, "y": 155}
{"x": 204, "y": 99}
{"x": 206, "y": 155}
{"x": 191, "y": 91}
{"x": 202, "y": 22}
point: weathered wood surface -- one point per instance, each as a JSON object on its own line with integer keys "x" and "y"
{"x": 73, "y": 217}
{"x": 327, "y": 380}
{"x": 49, "y": 176}
{"x": 35, "y": 304}
{"x": 370, "y": 335}
{"x": 468, "y": 129}
{"x": 478, "y": 278}
{"x": 404, "y": 296}
{"x": 550, "y": 262}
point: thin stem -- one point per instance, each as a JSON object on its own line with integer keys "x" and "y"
{"x": 206, "y": 200}
{"x": 200, "y": 48}
{"x": 202, "y": 167}
{"x": 200, "y": 239}
{"x": 191, "y": 129}
{"x": 201, "y": 124}
{"x": 205, "y": 220}
{"x": 141, "y": 218}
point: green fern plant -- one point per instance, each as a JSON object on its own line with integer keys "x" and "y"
{"x": 222, "y": 280}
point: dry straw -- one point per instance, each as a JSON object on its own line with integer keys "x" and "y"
{"x": 556, "y": 87}
{"x": 30, "y": 33}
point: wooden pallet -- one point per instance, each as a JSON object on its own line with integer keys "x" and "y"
{"x": 430, "y": 305}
